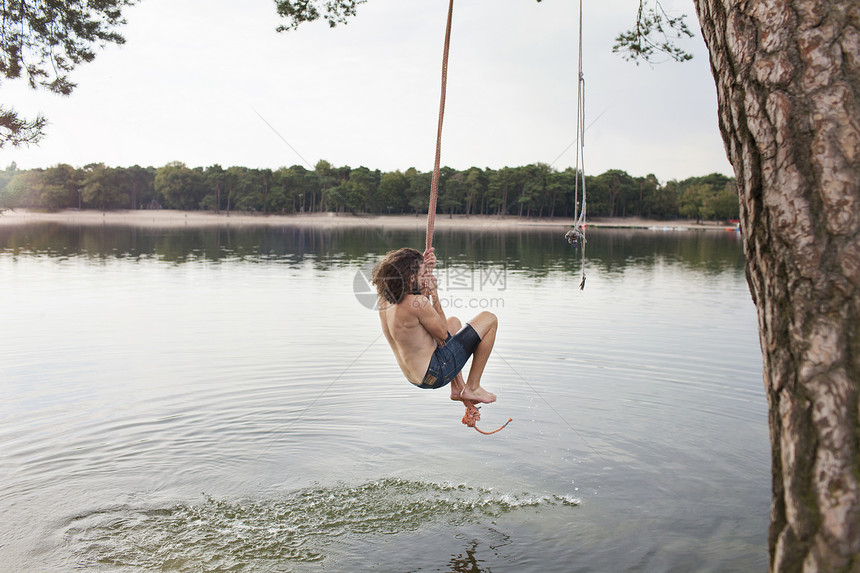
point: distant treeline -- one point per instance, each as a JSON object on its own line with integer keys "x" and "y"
{"x": 535, "y": 190}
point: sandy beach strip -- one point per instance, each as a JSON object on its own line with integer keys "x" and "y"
{"x": 166, "y": 218}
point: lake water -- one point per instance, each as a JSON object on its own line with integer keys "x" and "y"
{"x": 222, "y": 400}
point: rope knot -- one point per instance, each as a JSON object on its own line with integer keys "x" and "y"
{"x": 574, "y": 236}
{"x": 473, "y": 415}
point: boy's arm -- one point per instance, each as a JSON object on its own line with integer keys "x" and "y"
{"x": 430, "y": 313}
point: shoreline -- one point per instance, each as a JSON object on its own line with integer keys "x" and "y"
{"x": 167, "y": 218}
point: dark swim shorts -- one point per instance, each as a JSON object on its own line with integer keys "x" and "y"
{"x": 449, "y": 359}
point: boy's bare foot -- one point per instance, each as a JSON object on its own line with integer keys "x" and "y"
{"x": 457, "y": 387}
{"x": 478, "y": 395}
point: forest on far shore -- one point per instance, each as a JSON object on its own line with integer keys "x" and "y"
{"x": 535, "y": 190}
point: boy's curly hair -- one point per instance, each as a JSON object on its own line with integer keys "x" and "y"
{"x": 392, "y": 276}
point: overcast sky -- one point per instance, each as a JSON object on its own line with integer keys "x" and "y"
{"x": 202, "y": 81}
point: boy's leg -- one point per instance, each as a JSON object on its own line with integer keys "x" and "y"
{"x": 485, "y": 324}
{"x": 457, "y": 384}
{"x": 457, "y": 387}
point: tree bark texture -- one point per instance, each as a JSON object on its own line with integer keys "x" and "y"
{"x": 788, "y": 82}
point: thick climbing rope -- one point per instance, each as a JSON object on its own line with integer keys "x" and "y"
{"x": 576, "y": 235}
{"x": 472, "y": 415}
{"x": 434, "y": 183}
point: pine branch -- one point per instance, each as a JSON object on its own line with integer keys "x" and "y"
{"x": 42, "y": 41}
{"x": 299, "y": 11}
{"x": 655, "y": 33}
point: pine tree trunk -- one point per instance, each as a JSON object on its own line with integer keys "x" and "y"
{"x": 788, "y": 82}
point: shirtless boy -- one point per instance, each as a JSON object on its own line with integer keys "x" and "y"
{"x": 419, "y": 333}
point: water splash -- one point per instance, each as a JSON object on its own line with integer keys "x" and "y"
{"x": 263, "y": 535}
